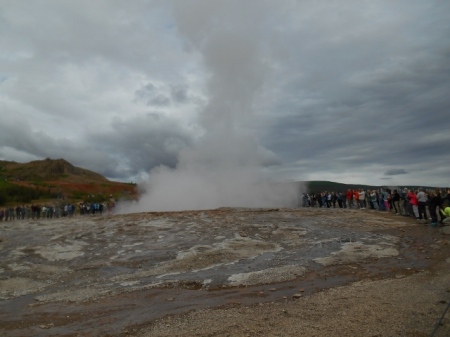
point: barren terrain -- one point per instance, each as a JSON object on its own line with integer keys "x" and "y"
{"x": 225, "y": 272}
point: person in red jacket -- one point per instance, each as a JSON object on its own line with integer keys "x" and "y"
{"x": 414, "y": 203}
{"x": 349, "y": 197}
{"x": 356, "y": 198}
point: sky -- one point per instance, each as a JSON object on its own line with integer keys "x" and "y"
{"x": 229, "y": 94}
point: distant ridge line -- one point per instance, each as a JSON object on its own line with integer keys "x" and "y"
{"x": 46, "y": 169}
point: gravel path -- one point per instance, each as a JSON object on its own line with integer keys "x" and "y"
{"x": 409, "y": 306}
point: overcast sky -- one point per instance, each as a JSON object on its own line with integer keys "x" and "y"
{"x": 347, "y": 91}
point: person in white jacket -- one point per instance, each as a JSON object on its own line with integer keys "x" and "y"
{"x": 362, "y": 199}
{"x": 422, "y": 198}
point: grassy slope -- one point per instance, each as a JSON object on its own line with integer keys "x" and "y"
{"x": 59, "y": 178}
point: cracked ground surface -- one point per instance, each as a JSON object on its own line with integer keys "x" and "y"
{"x": 172, "y": 273}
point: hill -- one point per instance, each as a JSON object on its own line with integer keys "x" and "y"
{"x": 320, "y": 186}
{"x": 48, "y": 169}
{"x": 43, "y": 180}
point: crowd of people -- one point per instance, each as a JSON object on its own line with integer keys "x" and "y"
{"x": 422, "y": 204}
{"x": 433, "y": 204}
{"x": 50, "y": 212}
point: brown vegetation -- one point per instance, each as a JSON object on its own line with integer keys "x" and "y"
{"x": 63, "y": 179}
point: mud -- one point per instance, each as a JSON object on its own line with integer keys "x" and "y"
{"x": 111, "y": 275}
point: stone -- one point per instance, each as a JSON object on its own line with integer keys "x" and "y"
{"x": 46, "y": 326}
{"x": 446, "y": 230}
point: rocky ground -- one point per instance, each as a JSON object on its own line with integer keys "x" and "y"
{"x": 225, "y": 272}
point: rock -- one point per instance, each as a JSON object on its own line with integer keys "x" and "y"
{"x": 46, "y": 326}
{"x": 298, "y": 295}
{"x": 446, "y": 230}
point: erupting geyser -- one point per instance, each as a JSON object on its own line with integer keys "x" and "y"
{"x": 224, "y": 167}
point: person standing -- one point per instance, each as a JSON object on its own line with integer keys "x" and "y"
{"x": 324, "y": 199}
{"x": 387, "y": 199}
{"x": 414, "y": 203}
{"x": 319, "y": 199}
{"x": 328, "y": 199}
{"x": 402, "y": 202}
{"x": 433, "y": 206}
{"x": 381, "y": 205}
{"x": 422, "y": 199}
{"x": 341, "y": 200}
{"x": 349, "y": 196}
{"x": 396, "y": 202}
{"x": 333, "y": 199}
{"x": 362, "y": 199}
{"x": 373, "y": 200}
{"x": 445, "y": 199}
{"x": 356, "y": 198}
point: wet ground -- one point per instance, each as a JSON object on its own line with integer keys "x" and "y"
{"x": 112, "y": 275}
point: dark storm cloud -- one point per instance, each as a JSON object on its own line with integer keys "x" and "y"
{"x": 152, "y": 95}
{"x": 346, "y": 89}
{"x": 19, "y": 135}
{"x": 132, "y": 146}
{"x": 164, "y": 95}
{"x": 395, "y": 172}
{"x": 142, "y": 142}
{"x": 345, "y": 115}
{"x": 179, "y": 93}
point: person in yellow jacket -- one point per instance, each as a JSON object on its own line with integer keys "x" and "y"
{"x": 446, "y": 213}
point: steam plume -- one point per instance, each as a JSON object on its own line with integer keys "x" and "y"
{"x": 223, "y": 169}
